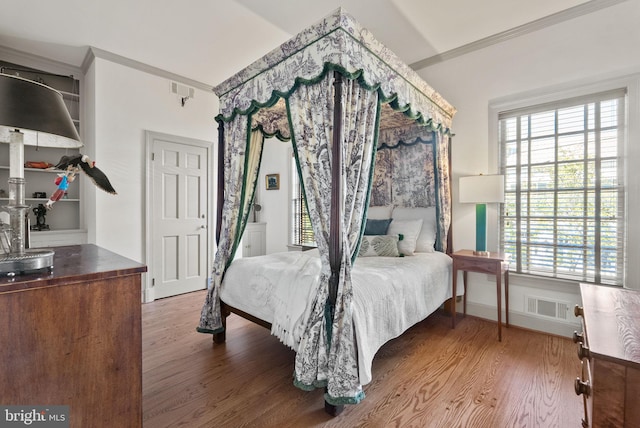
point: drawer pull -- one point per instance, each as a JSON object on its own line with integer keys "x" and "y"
{"x": 583, "y": 352}
{"x": 578, "y": 311}
{"x": 582, "y": 387}
{"x": 578, "y": 337}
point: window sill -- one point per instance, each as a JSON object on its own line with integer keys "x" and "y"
{"x": 292, "y": 247}
{"x": 542, "y": 283}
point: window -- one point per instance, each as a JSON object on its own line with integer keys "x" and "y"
{"x": 564, "y": 210}
{"x": 301, "y": 230}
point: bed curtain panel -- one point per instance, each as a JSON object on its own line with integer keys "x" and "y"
{"x": 412, "y": 170}
{"x": 443, "y": 189}
{"x": 243, "y": 151}
{"x": 327, "y": 355}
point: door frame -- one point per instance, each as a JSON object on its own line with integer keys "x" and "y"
{"x": 148, "y": 294}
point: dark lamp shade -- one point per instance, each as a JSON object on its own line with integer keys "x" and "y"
{"x": 38, "y": 111}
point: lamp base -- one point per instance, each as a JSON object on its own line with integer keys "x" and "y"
{"x": 30, "y": 261}
{"x": 482, "y": 253}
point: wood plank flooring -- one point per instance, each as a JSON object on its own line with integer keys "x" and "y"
{"x": 431, "y": 376}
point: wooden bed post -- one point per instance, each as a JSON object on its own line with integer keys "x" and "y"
{"x": 450, "y": 233}
{"x": 224, "y": 312}
{"x": 335, "y": 231}
{"x": 450, "y": 304}
{"x": 220, "y": 180}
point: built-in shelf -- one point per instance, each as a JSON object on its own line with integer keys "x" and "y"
{"x": 64, "y": 219}
{"x": 56, "y": 238}
{"x": 45, "y": 199}
{"x": 49, "y": 170}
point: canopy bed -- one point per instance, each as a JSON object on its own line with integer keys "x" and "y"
{"x": 347, "y": 104}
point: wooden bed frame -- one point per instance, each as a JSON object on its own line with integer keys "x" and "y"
{"x": 335, "y": 244}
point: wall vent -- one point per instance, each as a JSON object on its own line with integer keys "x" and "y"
{"x": 182, "y": 91}
{"x": 547, "y": 308}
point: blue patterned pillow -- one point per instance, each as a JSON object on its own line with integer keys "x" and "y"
{"x": 376, "y": 227}
{"x": 379, "y": 246}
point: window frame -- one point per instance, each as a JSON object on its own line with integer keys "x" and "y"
{"x": 295, "y": 204}
{"x": 555, "y": 94}
{"x": 592, "y": 252}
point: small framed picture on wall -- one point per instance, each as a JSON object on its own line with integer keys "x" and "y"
{"x": 273, "y": 181}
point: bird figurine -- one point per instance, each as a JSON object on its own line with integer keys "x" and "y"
{"x": 70, "y": 166}
{"x": 88, "y": 167}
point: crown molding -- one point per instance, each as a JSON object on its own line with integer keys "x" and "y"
{"x": 530, "y": 27}
{"x": 39, "y": 62}
{"x": 94, "y": 53}
{"x": 42, "y": 63}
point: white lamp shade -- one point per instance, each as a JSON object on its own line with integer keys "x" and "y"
{"x": 481, "y": 189}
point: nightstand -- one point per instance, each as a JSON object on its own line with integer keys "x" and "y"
{"x": 494, "y": 263}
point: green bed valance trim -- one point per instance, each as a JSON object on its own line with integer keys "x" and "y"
{"x": 334, "y": 401}
{"x": 209, "y": 331}
{"x": 341, "y": 401}
{"x": 353, "y": 47}
{"x": 357, "y": 41}
{"x": 276, "y": 134}
{"x": 358, "y": 75}
{"x": 401, "y": 143}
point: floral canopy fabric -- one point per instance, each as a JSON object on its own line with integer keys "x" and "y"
{"x": 331, "y": 83}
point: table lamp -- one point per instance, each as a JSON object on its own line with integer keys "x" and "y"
{"x": 481, "y": 190}
{"x": 31, "y": 114}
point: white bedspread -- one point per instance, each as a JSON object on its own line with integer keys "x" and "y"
{"x": 390, "y": 294}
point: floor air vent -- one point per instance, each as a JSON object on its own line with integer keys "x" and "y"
{"x": 547, "y": 308}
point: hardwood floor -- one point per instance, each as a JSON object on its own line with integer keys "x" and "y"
{"x": 431, "y": 376}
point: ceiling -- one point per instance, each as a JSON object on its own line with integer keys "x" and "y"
{"x": 208, "y": 40}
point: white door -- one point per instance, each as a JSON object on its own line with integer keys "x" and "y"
{"x": 179, "y": 216}
{"x": 254, "y": 240}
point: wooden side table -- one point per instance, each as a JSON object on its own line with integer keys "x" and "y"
{"x": 495, "y": 263}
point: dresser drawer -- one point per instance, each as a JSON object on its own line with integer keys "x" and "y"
{"x": 585, "y": 378}
{"x": 610, "y": 356}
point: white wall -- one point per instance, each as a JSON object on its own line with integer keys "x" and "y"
{"x": 585, "y": 50}
{"x": 122, "y": 103}
{"x": 276, "y": 158}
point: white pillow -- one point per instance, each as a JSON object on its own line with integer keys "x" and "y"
{"x": 379, "y": 213}
{"x": 379, "y": 246}
{"x": 427, "y": 238}
{"x": 409, "y": 229}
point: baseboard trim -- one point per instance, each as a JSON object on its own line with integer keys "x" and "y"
{"x": 523, "y": 320}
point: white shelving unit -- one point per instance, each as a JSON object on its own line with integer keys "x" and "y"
{"x": 66, "y": 226}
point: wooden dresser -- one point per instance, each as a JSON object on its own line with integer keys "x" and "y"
{"x": 609, "y": 350}
{"x": 73, "y": 337}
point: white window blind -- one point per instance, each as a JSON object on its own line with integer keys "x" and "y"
{"x": 564, "y": 207}
{"x": 301, "y": 230}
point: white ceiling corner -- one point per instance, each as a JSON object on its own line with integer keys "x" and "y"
{"x": 207, "y": 41}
